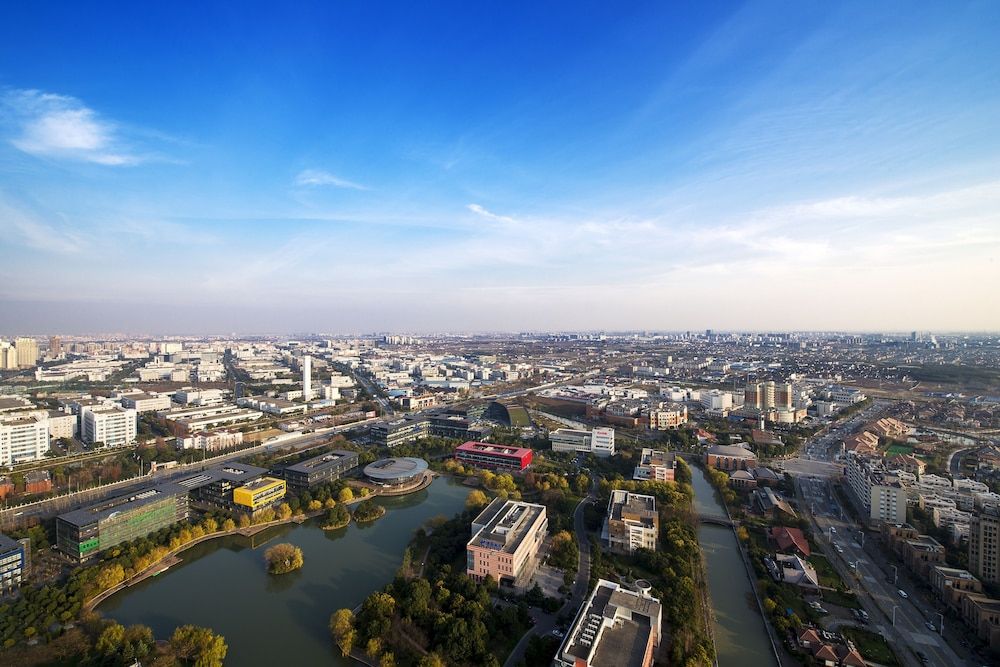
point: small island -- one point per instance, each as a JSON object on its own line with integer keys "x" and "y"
{"x": 283, "y": 558}
{"x": 337, "y": 517}
{"x": 368, "y": 511}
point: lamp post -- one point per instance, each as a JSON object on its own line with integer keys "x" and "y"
{"x": 895, "y": 575}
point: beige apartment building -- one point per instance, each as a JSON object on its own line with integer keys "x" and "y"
{"x": 632, "y": 522}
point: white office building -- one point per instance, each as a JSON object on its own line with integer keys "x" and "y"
{"x": 599, "y": 442}
{"x": 307, "y": 390}
{"x": 113, "y": 425}
{"x": 877, "y": 492}
{"x": 23, "y": 438}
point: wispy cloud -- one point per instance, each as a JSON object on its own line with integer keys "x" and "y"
{"x": 489, "y": 215}
{"x": 30, "y": 230}
{"x": 318, "y": 178}
{"x": 59, "y": 126}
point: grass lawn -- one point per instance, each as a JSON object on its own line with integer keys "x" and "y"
{"x": 871, "y": 646}
{"x": 518, "y": 417}
{"x": 846, "y": 600}
{"x": 899, "y": 449}
{"x": 824, "y": 570}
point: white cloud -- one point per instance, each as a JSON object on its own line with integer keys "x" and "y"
{"x": 479, "y": 210}
{"x": 318, "y": 177}
{"x": 59, "y": 126}
{"x": 29, "y": 230}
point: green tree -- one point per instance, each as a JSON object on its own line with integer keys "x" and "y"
{"x": 342, "y": 630}
{"x": 111, "y": 639}
{"x": 431, "y": 660}
{"x": 283, "y": 558}
{"x": 345, "y": 495}
{"x": 476, "y": 500}
{"x": 198, "y": 646}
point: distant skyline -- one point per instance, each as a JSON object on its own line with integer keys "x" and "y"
{"x": 453, "y": 167}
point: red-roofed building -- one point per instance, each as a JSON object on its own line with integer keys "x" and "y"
{"x": 790, "y": 540}
{"x": 488, "y": 455}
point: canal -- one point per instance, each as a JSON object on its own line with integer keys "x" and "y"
{"x": 740, "y": 635}
{"x": 273, "y": 620}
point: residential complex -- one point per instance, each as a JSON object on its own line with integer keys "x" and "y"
{"x": 877, "y": 493}
{"x": 599, "y": 442}
{"x": 631, "y": 523}
{"x": 506, "y": 538}
{"x": 496, "y": 457}
{"x": 23, "y": 438}
{"x": 616, "y": 627}
{"x": 655, "y": 465}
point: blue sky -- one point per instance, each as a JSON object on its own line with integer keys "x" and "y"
{"x": 447, "y": 166}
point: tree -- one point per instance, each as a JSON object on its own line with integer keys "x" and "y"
{"x": 342, "y": 630}
{"x": 111, "y": 639}
{"x": 476, "y": 500}
{"x": 283, "y": 558}
{"x": 388, "y": 660}
{"x": 374, "y": 647}
{"x": 284, "y": 511}
{"x": 345, "y": 495}
{"x": 431, "y": 660}
{"x": 228, "y": 525}
{"x": 199, "y": 646}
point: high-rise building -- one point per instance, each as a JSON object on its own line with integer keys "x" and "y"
{"x": 307, "y": 391}
{"x": 55, "y": 347}
{"x": 984, "y": 544}
{"x": 27, "y": 352}
{"x": 8, "y": 356}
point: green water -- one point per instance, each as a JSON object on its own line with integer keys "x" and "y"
{"x": 282, "y": 620}
{"x": 740, "y": 636}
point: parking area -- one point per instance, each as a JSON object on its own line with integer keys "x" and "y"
{"x": 549, "y": 579}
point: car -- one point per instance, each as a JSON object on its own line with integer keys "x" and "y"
{"x": 864, "y": 614}
{"x": 923, "y": 658}
{"x": 930, "y": 626}
{"x": 902, "y": 594}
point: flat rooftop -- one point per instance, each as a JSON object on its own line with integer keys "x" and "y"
{"x": 232, "y": 472}
{"x": 322, "y": 461}
{"x": 396, "y": 468}
{"x": 488, "y": 448}
{"x": 122, "y": 503}
{"x": 627, "y": 620}
{"x": 505, "y": 523}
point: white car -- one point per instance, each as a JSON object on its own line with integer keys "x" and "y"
{"x": 902, "y": 594}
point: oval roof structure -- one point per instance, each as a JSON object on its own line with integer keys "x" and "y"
{"x": 393, "y": 469}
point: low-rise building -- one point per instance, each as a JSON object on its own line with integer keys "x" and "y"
{"x": 259, "y": 494}
{"x": 616, "y": 627}
{"x": 495, "y": 457}
{"x": 950, "y": 585}
{"x": 86, "y": 532}
{"x": 37, "y": 481}
{"x": 667, "y": 416}
{"x": 321, "y": 469}
{"x": 655, "y": 465}
{"x": 982, "y": 613}
{"x": 12, "y": 565}
{"x": 505, "y": 543}
{"x": 142, "y": 402}
{"x": 399, "y": 432}
{"x": 631, "y": 523}
{"x": 730, "y": 457}
{"x": 599, "y": 442}
{"x": 771, "y": 504}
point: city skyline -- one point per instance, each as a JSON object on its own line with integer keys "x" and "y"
{"x": 358, "y": 169}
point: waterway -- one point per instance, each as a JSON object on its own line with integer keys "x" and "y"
{"x": 740, "y": 634}
{"x": 275, "y": 620}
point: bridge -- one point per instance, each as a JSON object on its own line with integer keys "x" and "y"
{"x": 716, "y": 519}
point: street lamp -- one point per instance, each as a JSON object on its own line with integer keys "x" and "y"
{"x": 895, "y": 575}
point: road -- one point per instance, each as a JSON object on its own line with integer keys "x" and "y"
{"x": 841, "y": 541}
{"x": 954, "y": 463}
{"x": 63, "y": 504}
{"x": 818, "y": 454}
{"x": 546, "y": 623}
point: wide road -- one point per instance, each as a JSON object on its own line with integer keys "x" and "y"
{"x": 546, "y": 623}
{"x": 840, "y": 539}
{"x": 817, "y": 455}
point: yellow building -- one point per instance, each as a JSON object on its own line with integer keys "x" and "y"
{"x": 259, "y": 493}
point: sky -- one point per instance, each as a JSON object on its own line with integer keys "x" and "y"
{"x": 421, "y": 167}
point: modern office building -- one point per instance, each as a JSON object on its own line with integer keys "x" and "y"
{"x": 616, "y": 627}
{"x": 142, "y": 402}
{"x": 86, "y": 532}
{"x": 12, "y": 565}
{"x": 321, "y": 469}
{"x": 984, "y": 543}
{"x": 876, "y": 492}
{"x": 307, "y": 391}
{"x": 599, "y": 442}
{"x": 506, "y": 538}
{"x": 655, "y": 465}
{"x": 23, "y": 437}
{"x": 113, "y": 425}
{"x": 396, "y": 472}
{"x": 400, "y": 431}
{"x": 632, "y": 522}
{"x": 214, "y": 487}
{"x": 496, "y": 457}
{"x": 259, "y": 494}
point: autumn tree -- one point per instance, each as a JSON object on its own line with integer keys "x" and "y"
{"x": 342, "y": 630}
{"x": 283, "y": 558}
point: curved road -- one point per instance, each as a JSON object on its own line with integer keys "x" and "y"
{"x": 546, "y": 623}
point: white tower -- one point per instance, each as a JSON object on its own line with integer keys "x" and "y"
{"x": 307, "y": 391}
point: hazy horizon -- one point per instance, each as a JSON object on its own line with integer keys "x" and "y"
{"x": 371, "y": 168}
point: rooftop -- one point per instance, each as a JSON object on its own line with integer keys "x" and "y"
{"x": 487, "y": 448}
{"x": 122, "y": 503}
{"x": 503, "y": 524}
{"x": 612, "y": 628}
{"x": 322, "y": 461}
